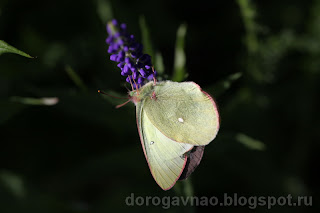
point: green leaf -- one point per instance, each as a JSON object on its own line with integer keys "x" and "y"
{"x": 248, "y": 15}
{"x": 6, "y": 48}
{"x": 250, "y": 142}
{"x": 48, "y": 101}
{"x": 179, "y": 68}
{"x": 159, "y": 65}
{"x": 76, "y": 78}
{"x": 157, "y": 58}
{"x": 146, "y": 39}
{"x": 188, "y": 187}
{"x": 184, "y": 189}
{"x": 104, "y": 10}
{"x": 220, "y": 87}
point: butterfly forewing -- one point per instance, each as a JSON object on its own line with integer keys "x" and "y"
{"x": 183, "y": 112}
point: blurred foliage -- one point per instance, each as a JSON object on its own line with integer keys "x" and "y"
{"x": 35, "y": 101}
{"x": 260, "y": 60}
{"x": 146, "y": 37}
{"x": 76, "y": 79}
{"x": 179, "y": 69}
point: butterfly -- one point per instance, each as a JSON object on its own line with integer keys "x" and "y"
{"x": 175, "y": 120}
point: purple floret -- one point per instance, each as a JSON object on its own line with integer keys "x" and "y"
{"x": 129, "y": 54}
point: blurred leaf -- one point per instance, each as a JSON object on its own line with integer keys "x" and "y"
{"x": 146, "y": 40}
{"x": 295, "y": 186}
{"x": 179, "y": 69}
{"x": 104, "y": 10}
{"x": 48, "y": 101}
{"x": 184, "y": 189}
{"x": 314, "y": 23}
{"x": 188, "y": 188}
{"x": 220, "y": 87}
{"x": 159, "y": 65}
{"x": 250, "y": 142}
{"x": 248, "y": 15}
{"x": 148, "y": 48}
{"x": 271, "y": 51}
{"x": 13, "y": 182}
{"x": 54, "y": 54}
{"x": 76, "y": 78}
{"x": 6, "y": 48}
{"x": 252, "y": 60}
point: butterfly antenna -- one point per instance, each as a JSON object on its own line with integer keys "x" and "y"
{"x": 99, "y": 91}
{"x": 121, "y": 105}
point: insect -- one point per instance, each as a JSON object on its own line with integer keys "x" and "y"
{"x": 175, "y": 121}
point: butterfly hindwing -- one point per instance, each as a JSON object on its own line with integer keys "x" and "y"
{"x": 193, "y": 161}
{"x": 166, "y": 158}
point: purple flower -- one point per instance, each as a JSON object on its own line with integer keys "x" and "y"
{"x": 124, "y": 49}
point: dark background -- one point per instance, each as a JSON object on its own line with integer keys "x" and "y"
{"x": 83, "y": 155}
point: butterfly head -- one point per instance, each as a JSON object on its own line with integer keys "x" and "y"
{"x": 142, "y": 93}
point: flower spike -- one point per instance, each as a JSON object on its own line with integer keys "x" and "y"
{"x": 129, "y": 55}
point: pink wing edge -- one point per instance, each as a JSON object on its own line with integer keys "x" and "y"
{"x": 215, "y": 106}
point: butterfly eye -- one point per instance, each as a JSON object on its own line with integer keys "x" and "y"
{"x": 152, "y": 142}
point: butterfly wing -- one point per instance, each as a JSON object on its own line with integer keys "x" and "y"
{"x": 183, "y": 112}
{"x": 193, "y": 161}
{"x": 165, "y": 157}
